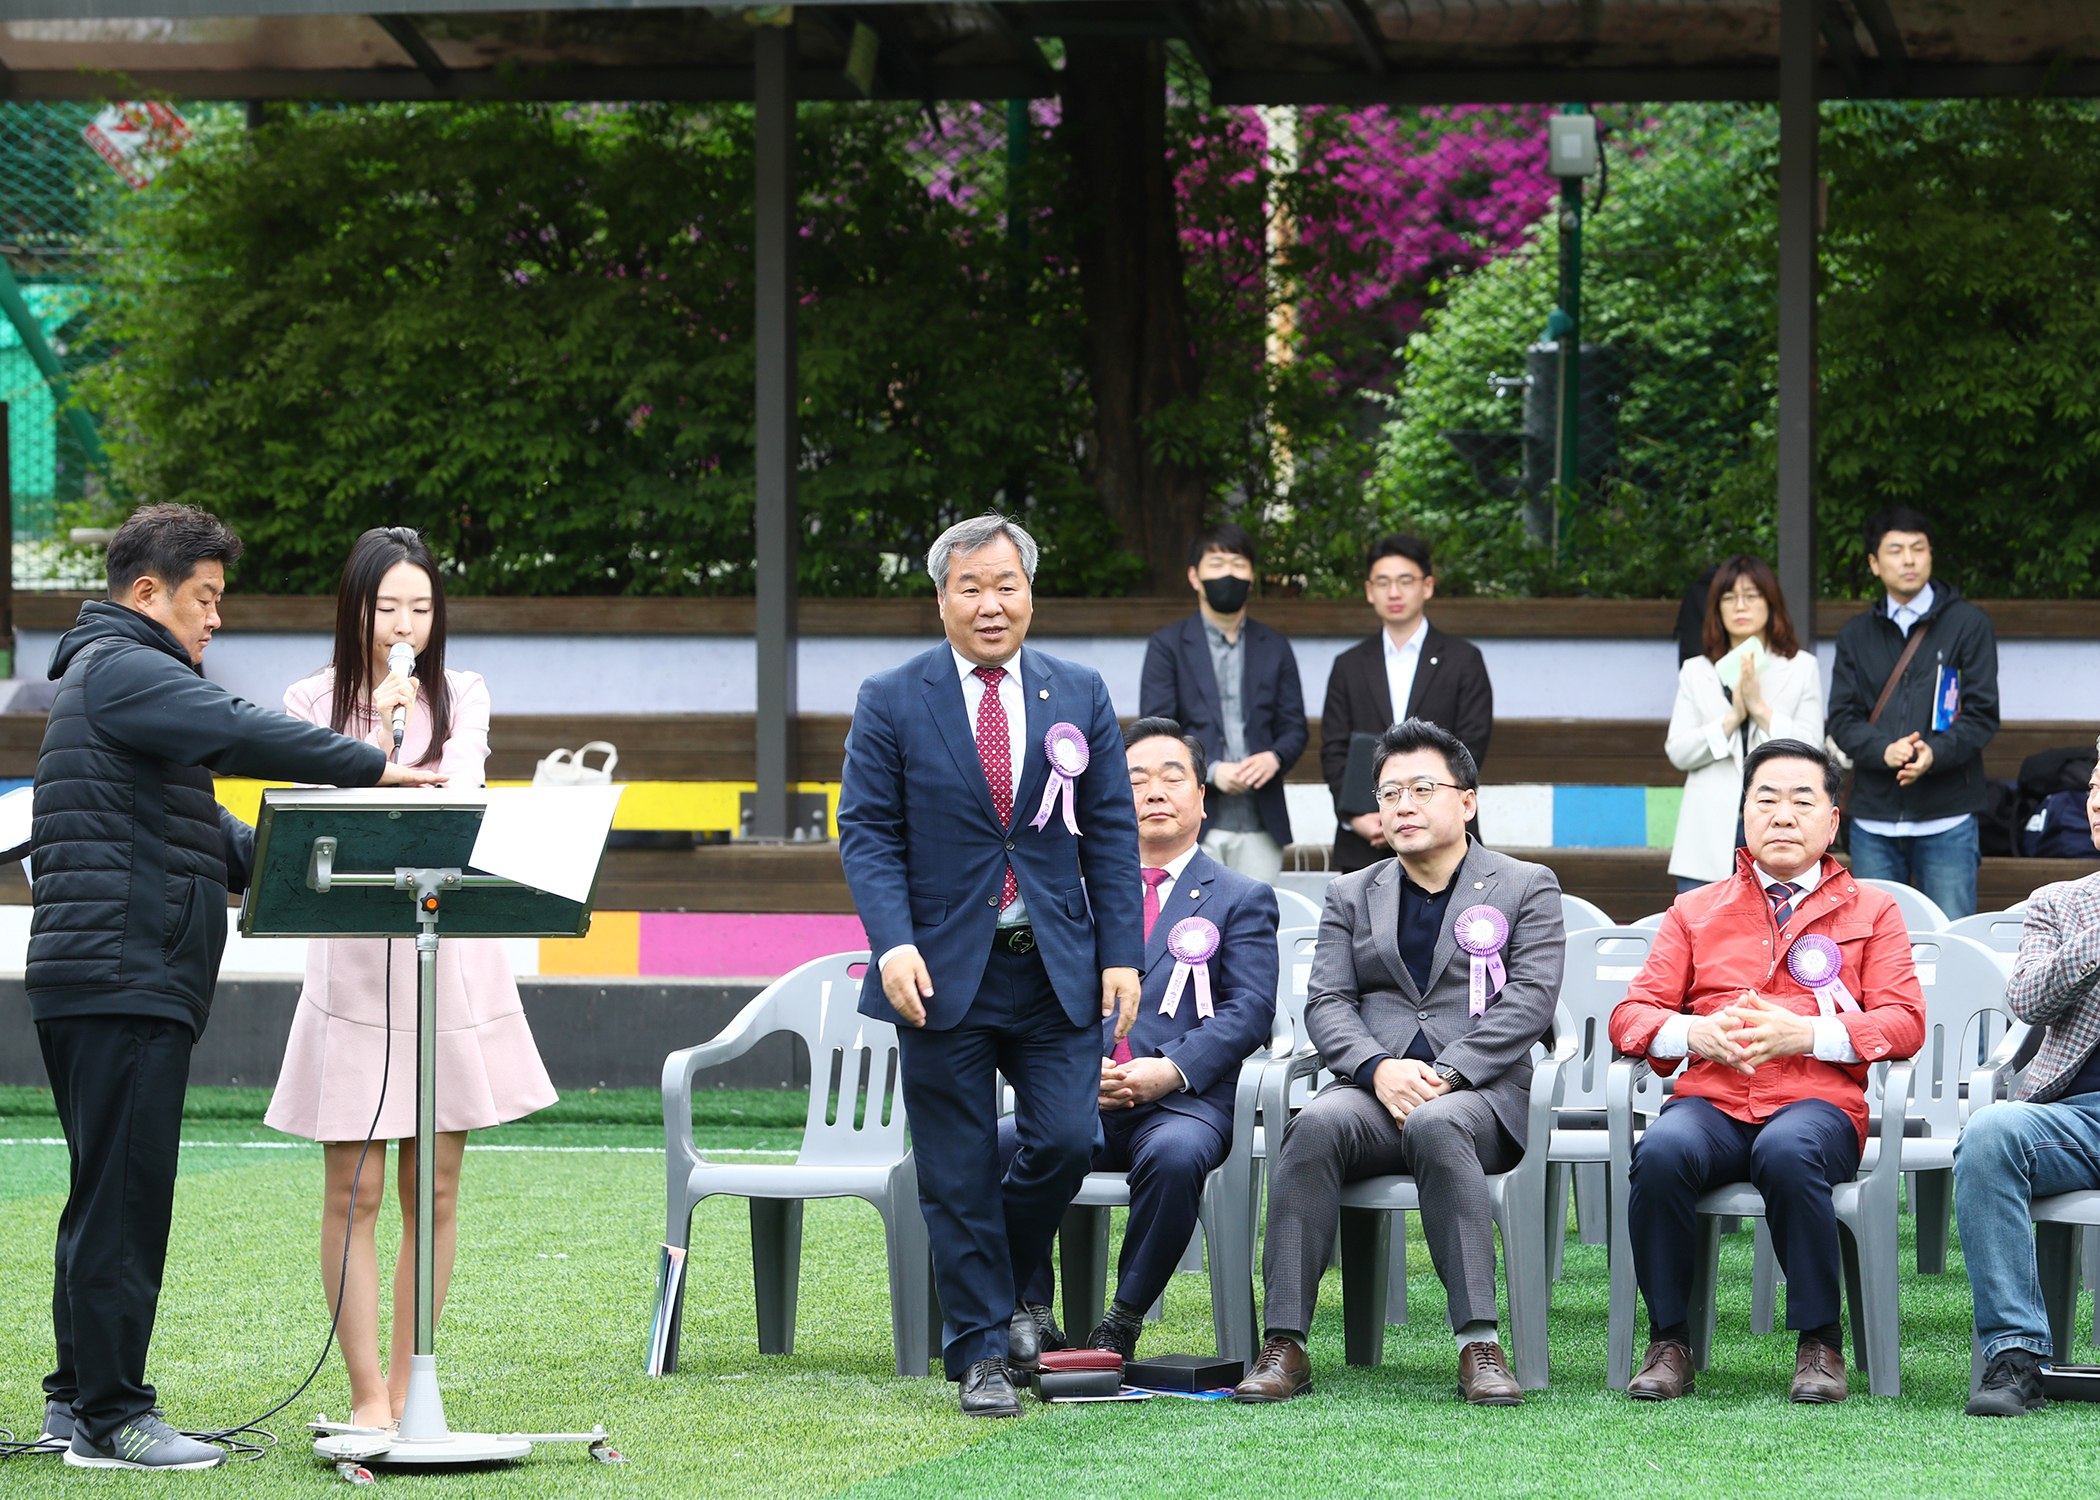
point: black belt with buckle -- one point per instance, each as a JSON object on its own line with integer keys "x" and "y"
{"x": 1015, "y": 939}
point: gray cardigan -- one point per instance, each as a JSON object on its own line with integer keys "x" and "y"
{"x": 1362, "y": 1003}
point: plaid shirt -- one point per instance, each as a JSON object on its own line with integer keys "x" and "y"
{"x": 2053, "y": 982}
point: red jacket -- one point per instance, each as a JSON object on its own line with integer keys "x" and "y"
{"x": 1717, "y": 941}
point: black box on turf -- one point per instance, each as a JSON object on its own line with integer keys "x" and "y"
{"x": 1183, "y": 1372}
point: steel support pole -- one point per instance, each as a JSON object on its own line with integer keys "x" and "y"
{"x": 777, "y": 522}
{"x": 1798, "y": 212}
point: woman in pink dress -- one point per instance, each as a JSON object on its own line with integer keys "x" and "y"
{"x": 352, "y": 1032}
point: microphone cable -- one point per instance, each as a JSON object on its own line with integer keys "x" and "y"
{"x": 237, "y": 1447}
{"x": 251, "y": 1440}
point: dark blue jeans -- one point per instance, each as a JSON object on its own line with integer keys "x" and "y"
{"x": 2007, "y": 1156}
{"x": 1942, "y": 865}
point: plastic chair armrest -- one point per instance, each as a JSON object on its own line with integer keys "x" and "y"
{"x": 1895, "y": 1090}
{"x": 1278, "y": 1074}
{"x": 750, "y": 1026}
{"x": 1619, "y": 1083}
{"x": 1994, "y": 1080}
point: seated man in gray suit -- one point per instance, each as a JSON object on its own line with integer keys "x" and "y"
{"x": 1430, "y": 1080}
{"x": 2045, "y": 1142}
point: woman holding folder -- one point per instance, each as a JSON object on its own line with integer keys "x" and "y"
{"x": 349, "y": 1067}
{"x": 1754, "y": 683}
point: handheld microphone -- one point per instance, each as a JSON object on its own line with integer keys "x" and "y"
{"x": 401, "y": 661}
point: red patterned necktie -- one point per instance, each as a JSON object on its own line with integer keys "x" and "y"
{"x": 1154, "y": 879}
{"x": 1782, "y": 898}
{"x": 995, "y": 751}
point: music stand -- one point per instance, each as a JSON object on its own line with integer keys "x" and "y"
{"x": 391, "y": 864}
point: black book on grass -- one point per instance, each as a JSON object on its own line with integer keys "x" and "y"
{"x": 1359, "y": 794}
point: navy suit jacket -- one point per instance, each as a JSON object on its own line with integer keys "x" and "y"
{"x": 1180, "y": 683}
{"x": 925, "y": 855}
{"x": 1243, "y": 990}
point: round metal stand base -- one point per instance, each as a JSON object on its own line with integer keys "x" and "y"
{"x": 456, "y": 1448}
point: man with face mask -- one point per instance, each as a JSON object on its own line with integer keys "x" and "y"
{"x": 1232, "y": 683}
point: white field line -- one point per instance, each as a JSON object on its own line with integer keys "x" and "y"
{"x": 59, "y": 1140}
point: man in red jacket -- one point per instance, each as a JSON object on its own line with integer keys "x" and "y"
{"x": 1781, "y": 984}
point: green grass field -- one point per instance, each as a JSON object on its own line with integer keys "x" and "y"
{"x": 550, "y": 1310}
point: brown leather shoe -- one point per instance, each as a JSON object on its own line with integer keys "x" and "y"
{"x": 1666, "y": 1373}
{"x": 1280, "y": 1372}
{"x": 1819, "y": 1374}
{"x": 1484, "y": 1378}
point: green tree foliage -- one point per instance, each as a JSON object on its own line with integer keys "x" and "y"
{"x": 528, "y": 330}
{"x": 1679, "y": 281}
{"x": 1960, "y": 308}
{"x": 1960, "y": 340}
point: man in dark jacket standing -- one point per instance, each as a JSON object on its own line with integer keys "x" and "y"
{"x": 1408, "y": 670}
{"x": 1232, "y": 683}
{"x": 1913, "y": 701}
{"x": 133, "y": 859}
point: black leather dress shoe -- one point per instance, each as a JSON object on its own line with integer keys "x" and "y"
{"x": 1117, "y": 1337}
{"x": 1032, "y": 1334}
{"x": 988, "y": 1390}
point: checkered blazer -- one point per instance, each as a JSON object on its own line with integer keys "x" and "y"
{"x": 2053, "y": 982}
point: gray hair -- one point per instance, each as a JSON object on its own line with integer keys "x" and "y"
{"x": 969, "y": 536}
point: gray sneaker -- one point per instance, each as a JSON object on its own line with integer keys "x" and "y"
{"x": 144, "y": 1443}
{"x": 58, "y": 1423}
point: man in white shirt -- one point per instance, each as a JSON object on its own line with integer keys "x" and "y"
{"x": 1913, "y": 702}
{"x": 1408, "y": 670}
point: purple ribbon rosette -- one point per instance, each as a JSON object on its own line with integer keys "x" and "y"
{"x": 1066, "y": 750}
{"x": 1815, "y": 961}
{"x": 1194, "y": 942}
{"x": 1483, "y": 931}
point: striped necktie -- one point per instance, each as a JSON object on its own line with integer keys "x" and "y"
{"x": 1782, "y": 898}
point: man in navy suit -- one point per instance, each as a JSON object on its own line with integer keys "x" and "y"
{"x": 1002, "y": 935}
{"x": 1167, "y": 1088}
{"x": 1232, "y": 683}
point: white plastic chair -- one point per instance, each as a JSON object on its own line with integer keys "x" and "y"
{"x": 1920, "y": 912}
{"x": 852, "y": 1147}
{"x": 1601, "y": 963}
{"x": 1577, "y": 914}
{"x": 1866, "y": 1215}
{"x": 1653, "y": 920}
{"x": 1295, "y": 909}
{"x": 1998, "y": 931}
{"x": 1367, "y": 1232}
{"x": 1965, "y": 1019}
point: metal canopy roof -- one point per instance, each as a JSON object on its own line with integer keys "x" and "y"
{"x": 1254, "y": 51}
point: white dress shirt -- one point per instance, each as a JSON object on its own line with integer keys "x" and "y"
{"x": 1401, "y": 664}
{"x": 1833, "y": 1041}
{"x": 1906, "y": 616}
{"x": 1015, "y": 701}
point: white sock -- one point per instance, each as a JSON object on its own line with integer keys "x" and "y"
{"x": 1479, "y": 1333}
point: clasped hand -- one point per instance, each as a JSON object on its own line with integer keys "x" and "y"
{"x": 1257, "y": 770}
{"x": 1139, "y": 1081}
{"x": 1750, "y": 1031}
{"x": 1404, "y": 1084}
{"x": 1909, "y": 757}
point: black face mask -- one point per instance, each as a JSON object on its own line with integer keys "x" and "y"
{"x": 1228, "y": 595}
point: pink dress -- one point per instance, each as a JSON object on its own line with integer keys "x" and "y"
{"x": 488, "y": 1069}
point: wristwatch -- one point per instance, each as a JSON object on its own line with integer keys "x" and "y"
{"x": 1450, "y": 1075}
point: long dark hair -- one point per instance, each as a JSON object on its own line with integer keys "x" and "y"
{"x": 1779, "y": 626}
{"x": 356, "y": 608}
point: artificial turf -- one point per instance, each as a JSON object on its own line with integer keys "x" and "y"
{"x": 550, "y": 1309}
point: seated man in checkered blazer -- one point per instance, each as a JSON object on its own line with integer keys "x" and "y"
{"x": 2045, "y": 1142}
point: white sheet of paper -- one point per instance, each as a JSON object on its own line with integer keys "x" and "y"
{"x": 14, "y": 817}
{"x": 547, "y": 837}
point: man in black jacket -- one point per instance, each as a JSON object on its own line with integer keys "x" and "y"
{"x": 1916, "y": 738}
{"x": 1232, "y": 683}
{"x": 1408, "y": 670}
{"x": 133, "y": 859}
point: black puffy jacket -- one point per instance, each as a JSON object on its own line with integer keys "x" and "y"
{"x": 132, "y": 852}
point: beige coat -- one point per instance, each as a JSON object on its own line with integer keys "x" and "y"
{"x": 1713, "y": 790}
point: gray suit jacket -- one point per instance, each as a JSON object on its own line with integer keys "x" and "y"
{"x": 1362, "y": 1002}
{"x": 2053, "y": 982}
